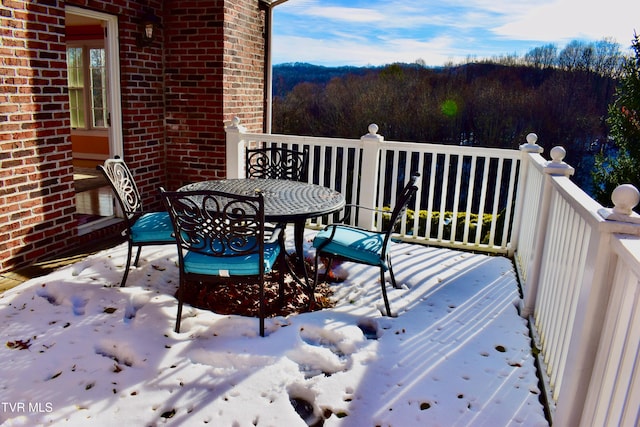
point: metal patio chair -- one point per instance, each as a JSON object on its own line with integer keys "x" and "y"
{"x": 221, "y": 238}
{"x": 277, "y": 163}
{"x": 363, "y": 246}
{"x": 143, "y": 228}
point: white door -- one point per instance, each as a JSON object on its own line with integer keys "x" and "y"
{"x": 79, "y": 16}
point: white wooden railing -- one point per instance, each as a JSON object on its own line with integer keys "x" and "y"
{"x": 570, "y": 266}
{"x": 578, "y": 262}
{"x": 467, "y": 196}
{"x": 613, "y": 394}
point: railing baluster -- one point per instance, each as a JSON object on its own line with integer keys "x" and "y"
{"x": 357, "y": 173}
{"x": 456, "y": 198}
{"x": 496, "y": 201}
{"x": 431, "y": 193}
{"x": 395, "y": 166}
{"x": 406, "y": 167}
{"x": 472, "y": 181}
{"x": 416, "y": 213}
{"x": 510, "y": 202}
{"x": 483, "y": 196}
{"x": 443, "y": 196}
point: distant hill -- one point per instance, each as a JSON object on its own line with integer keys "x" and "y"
{"x": 287, "y": 76}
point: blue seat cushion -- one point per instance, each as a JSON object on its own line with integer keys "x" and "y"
{"x": 352, "y": 243}
{"x": 153, "y": 227}
{"x": 244, "y": 265}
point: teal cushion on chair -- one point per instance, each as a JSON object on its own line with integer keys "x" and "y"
{"x": 153, "y": 227}
{"x": 245, "y": 265}
{"x": 352, "y": 243}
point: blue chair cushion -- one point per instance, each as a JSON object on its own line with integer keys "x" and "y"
{"x": 352, "y": 243}
{"x": 153, "y": 227}
{"x": 244, "y": 265}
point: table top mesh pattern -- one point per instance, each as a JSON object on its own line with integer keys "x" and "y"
{"x": 282, "y": 199}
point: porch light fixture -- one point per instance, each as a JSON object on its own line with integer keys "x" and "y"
{"x": 149, "y": 25}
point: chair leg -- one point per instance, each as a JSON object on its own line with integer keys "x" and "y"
{"x": 281, "y": 282}
{"x": 135, "y": 263}
{"x": 179, "y": 298}
{"x": 282, "y": 267}
{"x": 328, "y": 269}
{"x": 312, "y": 288}
{"x": 383, "y": 286}
{"x": 393, "y": 277}
{"x": 126, "y": 268}
{"x": 178, "y": 317}
{"x": 262, "y": 307}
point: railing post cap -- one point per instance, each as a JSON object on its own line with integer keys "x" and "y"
{"x": 532, "y": 144}
{"x": 373, "y": 133}
{"x": 625, "y": 197}
{"x": 234, "y": 125}
{"x": 557, "y": 166}
{"x": 558, "y": 154}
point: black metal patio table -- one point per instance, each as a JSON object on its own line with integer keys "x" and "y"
{"x": 284, "y": 202}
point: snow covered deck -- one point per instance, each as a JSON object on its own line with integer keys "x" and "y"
{"x": 457, "y": 353}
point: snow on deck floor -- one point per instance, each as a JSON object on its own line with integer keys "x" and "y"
{"x": 457, "y": 354}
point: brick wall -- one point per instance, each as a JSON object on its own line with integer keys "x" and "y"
{"x": 206, "y": 67}
{"x": 243, "y": 65}
{"x": 214, "y": 71}
{"x": 36, "y": 198}
{"x": 141, "y": 80}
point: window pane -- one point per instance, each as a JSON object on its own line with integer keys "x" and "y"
{"x": 75, "y": 78}
{"x": 75, "y": 67}
{"x": 76, "y": 107}
{"x": 98, "y": 87}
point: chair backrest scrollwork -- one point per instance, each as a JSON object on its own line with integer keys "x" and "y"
{"x": 216, "y": 223}
{"x": 277, "y": 163}
{"x": 124, "y": 186}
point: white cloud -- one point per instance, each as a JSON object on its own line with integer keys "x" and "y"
{"x": 349, "y": 14}
{"x": 565, "y": 20}
{"x": 340, "y": 32}
{"x": 354, "y": 52}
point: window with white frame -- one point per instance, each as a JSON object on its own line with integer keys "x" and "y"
{"x": 86, "y": 74}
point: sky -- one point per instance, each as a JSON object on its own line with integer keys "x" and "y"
{"x": 80, "y": 350}
{"x": 437, "y": 32}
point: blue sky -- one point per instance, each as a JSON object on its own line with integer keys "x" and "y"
{"x": 377, "y": 32}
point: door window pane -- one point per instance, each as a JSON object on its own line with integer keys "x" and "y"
{"x": 76, "y": 103}
{"x": 75, "y": 78}
{"x": 87, "y": 102}
{"x": 98, "y": 88}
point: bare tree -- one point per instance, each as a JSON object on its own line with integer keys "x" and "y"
{"x": 542, "y": 57}
{"x": 608, "y": 59}
{"x": 571, "y": 56}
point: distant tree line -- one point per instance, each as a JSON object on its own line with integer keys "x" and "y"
{"x": 563, "y": 96}
{"x": 602, "y": 57}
